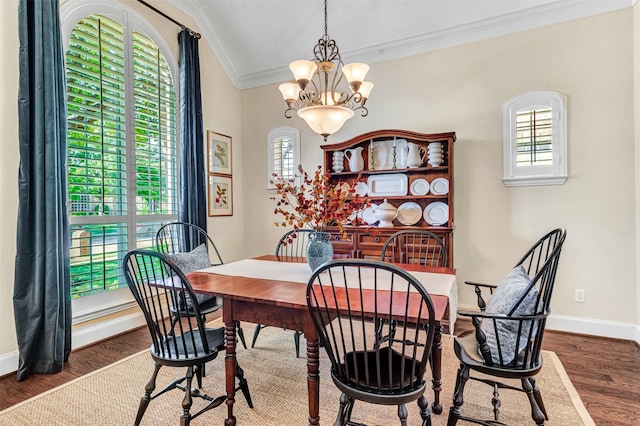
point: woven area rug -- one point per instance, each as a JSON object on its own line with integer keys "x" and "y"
{"x": 277, "y": 381}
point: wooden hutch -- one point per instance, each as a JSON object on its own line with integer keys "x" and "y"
{"x": 382, "y": 152}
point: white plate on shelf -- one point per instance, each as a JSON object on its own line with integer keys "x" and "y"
{"x": 419, "y": 187}
{"x": 440, "y": 186}
{"x": 361, "y": 189}
{"x": 387, "y": 185}
{"x": 368, "y": 214}
{"x": 436, "y": 213}
{"x": 409, "y": 213}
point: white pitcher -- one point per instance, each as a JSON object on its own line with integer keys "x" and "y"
{"x": 416, "y": 155}
{"x": 354, "y": 155}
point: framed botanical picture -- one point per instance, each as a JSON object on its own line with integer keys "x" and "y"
{"x": 220, "y": 196}
{"x": 219, "y": 153}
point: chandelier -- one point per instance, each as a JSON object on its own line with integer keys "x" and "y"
{"x": 319, "y": 95}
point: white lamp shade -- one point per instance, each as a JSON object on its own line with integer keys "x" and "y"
{"x": 302, "y": 69}
{"x": 325, "y": 120}
{"x": 355, "y": 71}
{"x": 365, "y": 88}
{"x": 289, "y": 90}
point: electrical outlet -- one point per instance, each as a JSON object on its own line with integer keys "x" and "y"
{"x": 581, "y": 296}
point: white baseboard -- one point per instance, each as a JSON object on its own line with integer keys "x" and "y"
{"x": 616, "y": 330}
{"x": 82, "y": 337}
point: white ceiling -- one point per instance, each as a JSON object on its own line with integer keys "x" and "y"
{"x": 255, "y": 40}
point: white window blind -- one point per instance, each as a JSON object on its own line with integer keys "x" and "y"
{"x": 122, "y": 170}
{"x": 283, "y": 154}
{"x": 533, "y": 137}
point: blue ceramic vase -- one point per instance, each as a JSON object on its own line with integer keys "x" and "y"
{"x": 319, "y": 249}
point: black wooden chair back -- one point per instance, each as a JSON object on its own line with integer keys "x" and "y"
{"x": 180, "y": 237}
{"x": 417, "y": 247}
{"x": 349, "y": 300}
{"x": 294, "y": 243}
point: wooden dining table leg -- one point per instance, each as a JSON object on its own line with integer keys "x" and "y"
{"x": 230, "y": 359}
{"x": 436, "y": 369}
{"x": 313, "y": 370}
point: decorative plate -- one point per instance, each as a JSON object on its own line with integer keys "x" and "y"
{"x": 368, "y": 214}
{"x": 440, "y": 186}
{"x": 436, "y": 213}
{"x": 419, "y": 187}
{"x": 409, "y": 213}
{"x": 361, "y": 189}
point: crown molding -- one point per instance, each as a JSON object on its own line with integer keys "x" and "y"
{"x": 535, "y": 17}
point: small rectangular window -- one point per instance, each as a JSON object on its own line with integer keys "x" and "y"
{"x": 533, "y": 138}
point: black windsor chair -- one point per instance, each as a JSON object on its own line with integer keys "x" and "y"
{"x": 508, "y": 333}
{"x": 347, "y": 299}
{"x": 158, "y": 285}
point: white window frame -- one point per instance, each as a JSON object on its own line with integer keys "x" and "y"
{"x": 71, "y": 12}
{"x": 554, "y": 174}
{"x": 278, "y": 133}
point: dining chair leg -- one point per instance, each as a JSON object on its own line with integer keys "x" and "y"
{"x": 255, "y": 334}
{"x": 296, "y": 342}
{"x": 403, "y": 414}
{"x": 240, "y": 334}
{"x": 538, "y": 396}
{"x": 146, "y": 398}
{"x": 243, "y": 385}
{"x": 187, "y": 401}
{"x": 536, "y": 413}
{"x": 458, "y": 399}
{"x": 425, "y": 414}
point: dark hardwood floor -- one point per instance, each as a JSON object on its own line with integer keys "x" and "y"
{"x": 605, "y": 372}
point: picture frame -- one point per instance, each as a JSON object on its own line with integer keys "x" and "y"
{"x": 220, "y": 195}
{"x": 219, "y": 153}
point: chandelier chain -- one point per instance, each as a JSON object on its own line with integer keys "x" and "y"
{"x": 326, "y": 33}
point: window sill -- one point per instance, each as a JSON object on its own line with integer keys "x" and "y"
{"x": 534, "y": 180}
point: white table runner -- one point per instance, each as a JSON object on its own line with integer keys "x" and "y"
{"x": 434, "y": 283}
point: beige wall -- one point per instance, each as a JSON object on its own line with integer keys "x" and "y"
{"x": 221, "y": 112}
{"x": 462, "y": 89}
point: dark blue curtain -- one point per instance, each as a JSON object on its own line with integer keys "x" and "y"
{"x": 193, "y": 190}
{"x": 42, "y": 294}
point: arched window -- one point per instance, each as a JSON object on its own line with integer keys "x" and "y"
{"x": 535, "y": 139}
{"x": 122, "y": 139}
{"x": 283, "y": 154}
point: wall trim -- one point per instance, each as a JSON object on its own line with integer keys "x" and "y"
{"x": 83, "y": 336}
{"x": 592, "y": 327}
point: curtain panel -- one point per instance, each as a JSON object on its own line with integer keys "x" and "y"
{"x": 193, "y": 190}
{"x": 41, "y": 295}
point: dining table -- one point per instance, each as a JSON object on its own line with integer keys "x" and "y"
{"x": 271, "y": 290}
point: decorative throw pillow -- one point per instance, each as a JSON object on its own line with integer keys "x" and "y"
{"x": 196, "y": 259}
{"x": 502, "y": 301}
